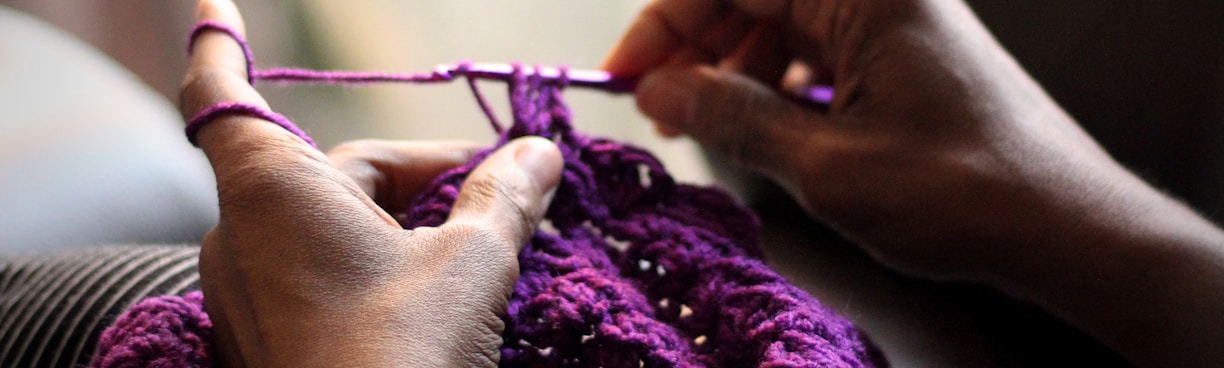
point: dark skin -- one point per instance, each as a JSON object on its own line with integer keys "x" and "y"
{"x": 938, "y": 155}
{"x": 307, "y": 266}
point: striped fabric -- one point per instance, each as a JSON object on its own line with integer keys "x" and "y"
{"x": 54, "y": 306}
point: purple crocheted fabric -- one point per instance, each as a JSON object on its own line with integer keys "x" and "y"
{"x": 631, "y": 269}
{"x": 639, "y": 270}
{"x": 163, "y": 332}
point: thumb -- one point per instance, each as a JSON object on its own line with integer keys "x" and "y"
{"x": 731, "y": 114}
{"x": 510, "y": 191}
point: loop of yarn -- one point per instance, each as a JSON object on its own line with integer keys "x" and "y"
{"x": 234, "y": 108}
{"x": 212, "y": 25}
{"x": 631, "y": 269}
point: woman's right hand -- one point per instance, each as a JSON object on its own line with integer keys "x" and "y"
{"x": 935, "y": 144}
{"x": 938, "y": 154}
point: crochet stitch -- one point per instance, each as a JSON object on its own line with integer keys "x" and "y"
{"x": 164, "y": 331}
{"x": 630, "y": 269}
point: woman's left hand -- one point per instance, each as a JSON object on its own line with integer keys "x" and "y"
{"x": 308, "y": 267}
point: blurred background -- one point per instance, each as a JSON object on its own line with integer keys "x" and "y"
{"x": 406, "y": 36}
{"x": 1145, "y": 77}
{"x": 142, "y": 44}
{"x": 91, "y": 149}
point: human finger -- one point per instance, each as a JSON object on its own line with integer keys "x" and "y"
{"x": 665, "y": 27}
{"x": 263, "y": 171}
{"x": 510, "y": 191}
{"x": 217, "y": 74}
{"x": 733, "y": 115}
{"x": 395, "y": 172}
{"x": 762, "y": 55}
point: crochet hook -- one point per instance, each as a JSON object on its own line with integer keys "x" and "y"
{"x": 819, "y": 96}
{"x": 594, "y": 79}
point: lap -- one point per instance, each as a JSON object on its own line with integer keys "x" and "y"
{"x": 54, "y": 306}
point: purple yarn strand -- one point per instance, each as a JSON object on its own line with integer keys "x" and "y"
{"x": 211, "y": 25}
{"x": 635, "y": 270}
{"x": 232, "y": 108}
{"x": 485, "y": 108}
{"x": 347, "y": 77}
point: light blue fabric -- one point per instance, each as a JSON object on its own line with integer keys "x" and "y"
{"x": 88, "y": 154}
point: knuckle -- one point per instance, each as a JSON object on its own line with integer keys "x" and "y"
{"x": 266, "y": 176}
{"x": 480, "y": 242}
{"x": 475, "y": 233}
{"x": 202, "y": 82}
{"x": 505, "y": 199}
{"x": 250, "y": 185}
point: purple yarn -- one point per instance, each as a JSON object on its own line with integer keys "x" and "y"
{"x": 632, "y": 269}
{"x": 232, "y": 108}
{"x": 163, "y": 332}
{"x": 211, "y": 25}
{"x": 639, "y": 268}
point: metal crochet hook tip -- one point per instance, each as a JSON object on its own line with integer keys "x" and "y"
{"x": 593, "y": 79}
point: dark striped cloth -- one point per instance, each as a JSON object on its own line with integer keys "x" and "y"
{"x": 54, "y": 306}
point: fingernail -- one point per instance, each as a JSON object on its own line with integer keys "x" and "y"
{"x": 541, "y": 159}
{"x": 668, "y": 99}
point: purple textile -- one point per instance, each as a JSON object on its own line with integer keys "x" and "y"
{"x": 631, "y": 269}
{"x": 162, "y": 332}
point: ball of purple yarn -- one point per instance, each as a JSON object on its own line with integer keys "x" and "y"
{"x": 164, "y": 332}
